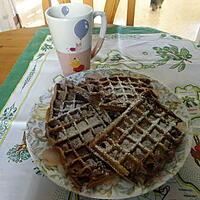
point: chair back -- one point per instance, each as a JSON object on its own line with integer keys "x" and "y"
{"x": 110, "y": 9}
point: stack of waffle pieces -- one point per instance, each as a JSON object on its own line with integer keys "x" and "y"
{"x": 109, "y": 127}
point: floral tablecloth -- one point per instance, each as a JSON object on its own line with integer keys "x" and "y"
{"x": 170, "y": 59}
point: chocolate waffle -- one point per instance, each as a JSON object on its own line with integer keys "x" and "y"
{"x": 84, "y": 169}
{"x": 115, "y": 93}
{"x": 71, "y": 132}
{"x": 84, "y": 121}
{"x": 111, "y": 126}
{"x": 65, "y": 98}
{"x": 139, "y": 142}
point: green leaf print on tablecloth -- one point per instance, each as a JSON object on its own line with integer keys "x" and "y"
{"x": 29, "y": 77}
{"x": 38, "y": 171}
{"x": 189, "y": 101}
{"x": 18, "y": 153}
{"x": 165, "y": 35}
{"x": 46, "y": 47}
{"x": 115, "y": 58}
{"x": 172, "y": 52}
{"x": 6, "y": 118}
{"x": 190, "y": 95}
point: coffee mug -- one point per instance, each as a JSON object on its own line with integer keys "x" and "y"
{"x": 71, "y": 25}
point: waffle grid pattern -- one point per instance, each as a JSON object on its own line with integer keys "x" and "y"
{"x": 65, "y": 98}
{"x": 72, "y": 132}
{"x": 111, "y": 126}
{"x": 141, "y": 141}
{"x": 116, "y": 92}
{"x": 83, "y": 123}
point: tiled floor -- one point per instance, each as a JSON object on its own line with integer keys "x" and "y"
{"x": 180, "y": 17}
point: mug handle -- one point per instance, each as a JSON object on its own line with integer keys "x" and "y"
{"x": 102, "y": 33}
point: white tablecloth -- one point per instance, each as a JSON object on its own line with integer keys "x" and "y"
{"x": 172, "y": 60}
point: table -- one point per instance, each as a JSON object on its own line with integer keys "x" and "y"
{"x": 10, "y": 49}
{"x": 168, "y": 58}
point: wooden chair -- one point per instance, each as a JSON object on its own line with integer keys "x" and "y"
{"x": 110, "y": 9}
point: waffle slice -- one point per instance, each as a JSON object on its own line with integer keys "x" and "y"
{"x": 84, "y": 121}
{"x": 66, "y": 97}
{"x": 115, "y": 93}
{"x": 71, "y": 132}
{"x": 139, "y": 142}
{"x": 84, "y": 169}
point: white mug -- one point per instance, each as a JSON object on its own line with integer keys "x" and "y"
{"x": 71, "y": 25}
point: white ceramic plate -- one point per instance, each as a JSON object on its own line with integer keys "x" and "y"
{"x": 37, "y": 143}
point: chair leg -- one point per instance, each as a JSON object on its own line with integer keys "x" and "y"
{"x": 130, "y": 13}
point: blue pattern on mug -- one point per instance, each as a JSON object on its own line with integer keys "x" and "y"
{"x": 81, "y": 28}
{"x": 65, "y": 10}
